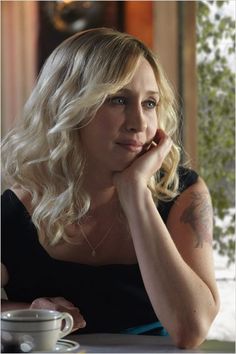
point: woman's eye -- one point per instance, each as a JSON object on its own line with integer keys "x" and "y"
{"x": 150, "y": 104}
{"x": 118, "y": 100}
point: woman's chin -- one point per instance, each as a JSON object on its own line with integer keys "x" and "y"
{"x": 122, "y": 165}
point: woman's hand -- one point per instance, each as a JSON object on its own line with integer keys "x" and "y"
{"x": 144, "y": 166}
{"x": 62, "y": 305}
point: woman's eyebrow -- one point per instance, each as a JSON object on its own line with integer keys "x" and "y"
{"x": 155, "y": 93}
{"x": 128, "y": 91}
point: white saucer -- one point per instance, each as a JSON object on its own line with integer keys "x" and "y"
{"x": 65, "y": 346}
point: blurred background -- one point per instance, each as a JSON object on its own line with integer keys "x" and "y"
{"x": 195, "y": 42}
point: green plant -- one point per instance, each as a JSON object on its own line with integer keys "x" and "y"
{"x": 216, "y": 114}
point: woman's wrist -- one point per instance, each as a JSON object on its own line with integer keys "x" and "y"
{"x": 132, "y": 195}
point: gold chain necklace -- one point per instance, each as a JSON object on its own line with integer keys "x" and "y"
{"x": 93, "y": 249}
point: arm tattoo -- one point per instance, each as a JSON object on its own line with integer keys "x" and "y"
{"x": 199, "y": 216}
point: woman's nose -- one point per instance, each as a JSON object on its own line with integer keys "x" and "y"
{"x": 135, "y": 120}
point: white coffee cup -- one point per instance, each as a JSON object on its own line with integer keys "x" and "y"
{"x": 34, "y": 330}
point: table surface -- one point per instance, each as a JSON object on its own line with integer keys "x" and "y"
{"x": 124, "y": 343}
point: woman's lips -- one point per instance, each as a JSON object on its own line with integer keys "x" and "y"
{"x": 131, "y": 145}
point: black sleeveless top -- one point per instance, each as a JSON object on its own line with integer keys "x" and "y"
{"x": 110, "y": 297}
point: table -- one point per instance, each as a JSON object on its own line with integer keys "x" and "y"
{"x": 124, "y": 343}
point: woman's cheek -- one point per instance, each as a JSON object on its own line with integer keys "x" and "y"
{"x": 152, "y": 129}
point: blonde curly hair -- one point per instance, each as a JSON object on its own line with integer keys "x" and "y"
{"x": 43, "y": 154}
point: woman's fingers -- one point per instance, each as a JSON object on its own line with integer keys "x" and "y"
{"x": 61, "y": 301}
{"x": 62, "y": 305}
{"x": 43, "y": 303}
{"x": 151, "y": 160}
{"x": 143, "y": 167}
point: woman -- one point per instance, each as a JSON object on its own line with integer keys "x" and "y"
{"x": 109, "y": 226}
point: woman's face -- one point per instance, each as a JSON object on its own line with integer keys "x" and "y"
{"x": 125, "y": 124}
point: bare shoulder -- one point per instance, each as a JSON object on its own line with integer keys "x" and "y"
{"x": 190, "y": 224}
{"x": 198, "y": 213}
{"x": 193, "y": 213}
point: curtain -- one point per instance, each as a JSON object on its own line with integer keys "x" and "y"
{"x": 18, "y": 58}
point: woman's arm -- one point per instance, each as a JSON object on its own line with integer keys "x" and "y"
{"x": 175, "y": 259}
